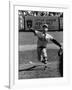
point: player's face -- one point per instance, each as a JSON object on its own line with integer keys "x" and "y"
{"x": 45, "y": 29}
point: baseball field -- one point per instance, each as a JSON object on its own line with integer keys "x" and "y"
{"x": 29, "y": 66}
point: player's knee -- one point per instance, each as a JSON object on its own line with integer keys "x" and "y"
{"x": 45, "y": 58}
{"x": 44, "y": 53}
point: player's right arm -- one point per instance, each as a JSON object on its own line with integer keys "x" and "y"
{"x": 32, "y": 30}
{"x": 37, "y": 33}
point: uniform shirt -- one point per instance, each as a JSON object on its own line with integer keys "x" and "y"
{"x": 42, "y": 39}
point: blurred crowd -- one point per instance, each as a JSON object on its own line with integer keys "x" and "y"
{"x": 40, "y": 13}
{"x": 22, "y": 14}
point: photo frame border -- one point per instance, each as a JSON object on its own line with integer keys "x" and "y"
{"x": 13, "y": 78}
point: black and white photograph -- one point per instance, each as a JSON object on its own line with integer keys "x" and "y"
{"x": 40, "y": 44}
{"x": 36, "y": 45}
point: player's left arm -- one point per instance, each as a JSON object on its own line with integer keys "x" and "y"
{"x": 55, "y": 41}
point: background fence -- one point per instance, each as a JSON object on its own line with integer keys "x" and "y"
{"x": 55, "y": 23}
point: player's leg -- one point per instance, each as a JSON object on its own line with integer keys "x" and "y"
{"x": 44, "y": 51}
{"x": 39, "y": 53}
{"x": 41, "y": 56}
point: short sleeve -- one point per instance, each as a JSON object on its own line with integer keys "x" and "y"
{"x": 49, "y": 36}
{"x": 36, "y": 32}
{"x": 39, "y": 34}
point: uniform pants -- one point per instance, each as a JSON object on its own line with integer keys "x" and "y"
{"x": 42, "y": 53}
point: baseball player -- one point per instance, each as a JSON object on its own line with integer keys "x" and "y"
{"x": 43, "y": 38}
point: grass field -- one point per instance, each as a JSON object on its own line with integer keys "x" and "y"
{"x": 27, "y": 53}
{"x": 38, "y": 72}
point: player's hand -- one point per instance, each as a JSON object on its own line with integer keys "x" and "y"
{"x": 61, "y": 47}
{"x": 60, "y": 52}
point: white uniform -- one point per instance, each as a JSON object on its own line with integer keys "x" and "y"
{"x": 43, "y": 39}
{"x": 42, "y": 43}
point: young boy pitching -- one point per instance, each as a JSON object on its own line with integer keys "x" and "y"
{"x": 43, "y": 38}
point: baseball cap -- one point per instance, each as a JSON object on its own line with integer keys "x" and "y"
{"x": 45, "y": 25}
